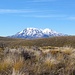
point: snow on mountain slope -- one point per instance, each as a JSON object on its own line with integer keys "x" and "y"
{"x": 36, "y": 33}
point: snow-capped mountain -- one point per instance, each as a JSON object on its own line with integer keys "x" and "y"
{"x": 36, "y": 33}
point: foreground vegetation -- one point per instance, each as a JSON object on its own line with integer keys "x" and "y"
{"x": 34, "y": 60}
{"x": 47, "y": 56}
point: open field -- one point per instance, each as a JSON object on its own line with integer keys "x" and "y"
{"x": 48, "y": 56}
{"x": 54, "y": 41}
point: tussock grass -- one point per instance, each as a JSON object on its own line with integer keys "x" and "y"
{"x": 35, "y": 60}
{"x": 18, "y": 65}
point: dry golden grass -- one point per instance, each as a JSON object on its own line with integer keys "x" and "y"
{"x": 18, "y": 65}
{"x": 49, "y": 62}
{"x": 34, "y": 61}
{"x": 4, "y": 66}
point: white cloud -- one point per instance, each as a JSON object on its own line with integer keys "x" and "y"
{"x": 49, "y": 16}
{"x": 4, "y": 11}
{"x": 15, "y": 11}
{"x": 45, "y": 16}
{"x": 71, "y": 18}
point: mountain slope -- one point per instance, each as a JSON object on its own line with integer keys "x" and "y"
{"x": 31, "y": 33}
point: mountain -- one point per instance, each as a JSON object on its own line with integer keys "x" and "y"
{"x": 31, "y": 33}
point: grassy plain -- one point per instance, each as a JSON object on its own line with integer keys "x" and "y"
{"x": 47, "y": 56}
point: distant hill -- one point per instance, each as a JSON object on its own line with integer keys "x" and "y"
{"x": 31, "y": 33}
{"x": 53, "y": 41}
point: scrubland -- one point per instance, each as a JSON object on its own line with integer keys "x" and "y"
{"x": 34, "y": 60}
{"x": 53, "y": 41}
{"x": 47, "y": 56}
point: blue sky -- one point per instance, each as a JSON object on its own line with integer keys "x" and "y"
{"x": 16, "y": 15}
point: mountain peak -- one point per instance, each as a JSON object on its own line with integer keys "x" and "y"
{"x": 48, "y": 31}
{"x": 31, "y": 28}
{"x": 36, "y": 33}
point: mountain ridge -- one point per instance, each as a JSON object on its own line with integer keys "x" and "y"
{"x": 31, "y": 33}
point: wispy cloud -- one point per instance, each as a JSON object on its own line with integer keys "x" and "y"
{"x": 71, "y": 18}
{"x": 45, "y": 16}
{"x": 33, "y": 13}
{"x": 49, "y": 16}
{"x": 15, "y": 11}
{"x": 12, "y": 11}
